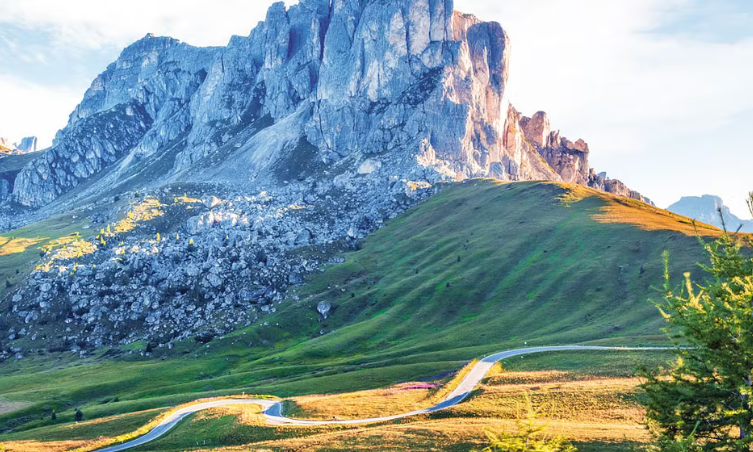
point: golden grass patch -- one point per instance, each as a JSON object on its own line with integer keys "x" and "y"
{"x": 74, "y": 249}
{"x": 42, "y": 446}
{"x": 362, "y": 404}
{"x": 148, "y": 209}
{"x": 15, "y": 245}
{"x": 246, "y": 414}
{"x": 593, "y": 400}
{"x": 650, "y": 218}
{"x": 619, "y": 209}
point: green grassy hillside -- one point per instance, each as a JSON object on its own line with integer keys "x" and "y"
{"x": 481, "y": 267}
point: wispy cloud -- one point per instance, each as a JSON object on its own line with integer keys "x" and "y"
{"x": 95, "y": 23}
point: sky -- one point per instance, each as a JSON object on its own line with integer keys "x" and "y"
{"x": 662, "y": 90}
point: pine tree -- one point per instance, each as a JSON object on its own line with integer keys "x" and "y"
{"x": 708, "y": 397}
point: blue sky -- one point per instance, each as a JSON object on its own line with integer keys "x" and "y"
{"x": 662, "y": 90}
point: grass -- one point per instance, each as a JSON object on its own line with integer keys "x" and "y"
{"x": 588, "y": 396}
{"x": 480, "y": 267}
{"x": 20, "y": 248}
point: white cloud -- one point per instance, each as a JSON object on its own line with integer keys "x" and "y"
{"x": 96, "y": 23}
{"x": 29, "y": 109}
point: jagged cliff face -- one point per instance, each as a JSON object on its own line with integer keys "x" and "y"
{"x": 412, "y": 83}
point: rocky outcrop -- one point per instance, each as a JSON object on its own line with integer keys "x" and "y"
{"x": 139, "y": 104}
{"x": 412, "y": 79}
{"x": 568, "y": 159}
{"x": 28, "y": 144}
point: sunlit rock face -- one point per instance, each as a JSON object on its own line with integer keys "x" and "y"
{"x": 411, "y": 81}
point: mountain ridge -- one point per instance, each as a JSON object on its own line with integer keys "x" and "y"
{"x": 416, "y": 79}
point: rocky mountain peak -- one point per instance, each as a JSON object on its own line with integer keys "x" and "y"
{"x": 412, "y": 78}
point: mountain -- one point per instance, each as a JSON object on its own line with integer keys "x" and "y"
{"x": 28, "y": 144}
{"x": 193, "y": 184}
{"x": 412, "y": 85}
{"x": 706, "y": 208}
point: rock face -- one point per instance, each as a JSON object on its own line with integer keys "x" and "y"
{"x": 706, "y": 209}
{"x": 413, "y": 80}
{"x": 28, "y": 144}
{"x": 568, "y": 159}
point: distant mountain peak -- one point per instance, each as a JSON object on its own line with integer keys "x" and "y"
{"x": 706, "y": 208}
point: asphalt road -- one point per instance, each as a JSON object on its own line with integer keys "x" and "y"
{"x": 273, "y": 409}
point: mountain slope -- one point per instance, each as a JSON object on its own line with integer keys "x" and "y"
{"x": 707, "y": 208}
{"x": 485, "y": 262}
{"x": 482, "y": 266}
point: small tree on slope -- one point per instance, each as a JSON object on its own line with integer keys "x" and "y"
{"x": 708, "y": 395}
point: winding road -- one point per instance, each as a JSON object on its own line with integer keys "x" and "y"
{"x": 273, "y": 409}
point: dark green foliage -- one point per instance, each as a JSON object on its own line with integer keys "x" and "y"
{"x": 706, "y": 403}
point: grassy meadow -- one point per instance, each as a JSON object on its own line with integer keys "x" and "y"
{"x": 481, "y": 267}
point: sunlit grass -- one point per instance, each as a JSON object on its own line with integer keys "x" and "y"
{"x": 15, "y": 245}
{"x": 147, "y": 210}
{"x": 68, "y": 250}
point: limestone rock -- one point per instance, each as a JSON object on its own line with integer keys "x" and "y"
{"x": 323, "y": 308}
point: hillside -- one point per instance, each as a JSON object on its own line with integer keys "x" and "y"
{"x": 479, "y": 267}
